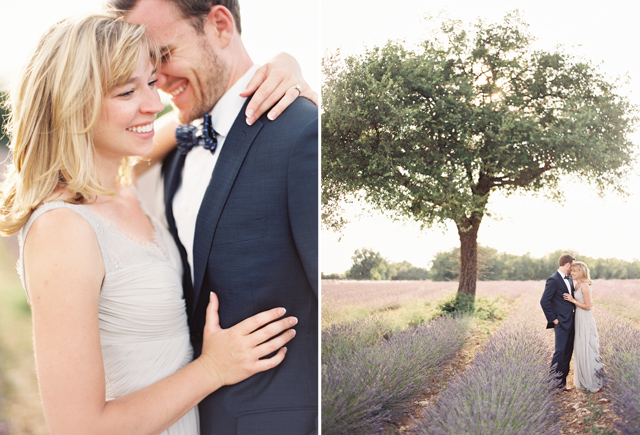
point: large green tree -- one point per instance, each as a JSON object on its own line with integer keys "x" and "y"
{"x": 428, "y": 134}
{"x": 368, "y": 265}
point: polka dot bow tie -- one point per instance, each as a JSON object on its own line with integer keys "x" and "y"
{"x": 200, "y": 133}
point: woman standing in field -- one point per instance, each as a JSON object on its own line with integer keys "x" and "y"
{"x": 113, "y": 351}
{"x": 586, "y": 348}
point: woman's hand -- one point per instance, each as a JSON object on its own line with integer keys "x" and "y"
{"x": 276, "y": 81}
{"x": 232, "y": 355}
{"x": 568, "y": 297}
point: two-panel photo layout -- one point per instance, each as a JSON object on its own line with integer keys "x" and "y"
{"x": 328, "y": 217}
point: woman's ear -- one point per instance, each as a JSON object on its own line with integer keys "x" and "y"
{"x": 221, "y": 24}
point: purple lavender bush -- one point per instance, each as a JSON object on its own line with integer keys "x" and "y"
{"x": 363, "y": 388}
{"x": 345, "y": 338}
{"x": 620, "y": 351}
{"x": 506, "y": 390}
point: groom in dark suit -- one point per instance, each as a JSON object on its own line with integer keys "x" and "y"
{"x": 244, "y": 211}
{"x": 560, "y": 316}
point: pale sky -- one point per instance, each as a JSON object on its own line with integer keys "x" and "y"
{"x": 604, "y": 32}
{"x": 268, "y": 27}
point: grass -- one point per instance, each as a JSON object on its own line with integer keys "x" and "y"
{"x": 20, "y": 406}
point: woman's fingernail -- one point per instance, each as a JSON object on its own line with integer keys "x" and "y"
{"x": 293, "y": 321}
{"x": 281, "y": 311}
{"x": 272, "y": 115}
{"x": 250, "y": 121}
{"x": 249, "y": 113}
{"x": 292, "y": 332}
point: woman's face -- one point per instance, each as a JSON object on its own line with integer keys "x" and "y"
{"x": 575, "y": 273}
{"x": 125, "y": 126}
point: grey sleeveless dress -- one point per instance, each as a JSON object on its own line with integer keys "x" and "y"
{"x": 586, "y": 348}
{"x": 143, "y": 323}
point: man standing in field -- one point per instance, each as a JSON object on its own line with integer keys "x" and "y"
{"x": 560, "y": 314}
{"x": 244, "y": 212}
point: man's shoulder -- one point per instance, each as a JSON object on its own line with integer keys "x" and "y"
{"x": 553, "y": 278}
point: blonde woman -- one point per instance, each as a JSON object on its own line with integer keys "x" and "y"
{"x": 113, "y": 351}
{"x": 586, "y": 347}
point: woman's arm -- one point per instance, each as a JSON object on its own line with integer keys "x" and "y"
{"x": 274, "y": 82}
{"x": 586, "y": 292}
{"x": 64, "y": 272}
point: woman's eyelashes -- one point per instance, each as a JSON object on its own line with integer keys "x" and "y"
{"x": 151, "y": 84}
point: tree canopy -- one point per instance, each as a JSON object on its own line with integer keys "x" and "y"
{"x": 428, "y": 134}
{"x": 371, "y": 265}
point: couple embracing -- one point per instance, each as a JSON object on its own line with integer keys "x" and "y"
{"x": 140, "y": 328}
{"x": 567, "y": 303}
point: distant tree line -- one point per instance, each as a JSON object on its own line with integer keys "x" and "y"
{"x": 371, "y": 265}
{"x": 492, "y": 266}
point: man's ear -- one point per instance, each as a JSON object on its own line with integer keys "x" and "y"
{"x": 221, "y": 24}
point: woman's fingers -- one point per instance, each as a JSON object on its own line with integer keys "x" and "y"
{"x": 271, "y": 330}
{"x": 274, "y": 344}
{"x": 291, "y": 93}
{"x": 269, "y": 363}
{"x": 212, "y": 320}
{"x": 257, "y": 321}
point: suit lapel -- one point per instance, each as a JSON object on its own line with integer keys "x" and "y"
{"x": 172, "y": 169}
{"x": 235, "y": 148}
{"x": 561, "y": 281}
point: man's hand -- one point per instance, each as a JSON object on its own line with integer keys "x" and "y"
{"x": 555, "y": 322}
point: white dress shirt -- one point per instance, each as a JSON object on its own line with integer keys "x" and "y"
{"x": 200, "y": 163}
{"x": 566, "y": 282}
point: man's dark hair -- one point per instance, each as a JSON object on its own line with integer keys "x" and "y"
{"x": 564, "y": 259}
{"x": 193, "y": 10}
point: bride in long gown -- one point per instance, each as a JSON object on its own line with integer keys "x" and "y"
{"x": 587, "y": 363}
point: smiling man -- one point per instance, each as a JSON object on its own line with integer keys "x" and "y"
{"x": 244, "y": 215}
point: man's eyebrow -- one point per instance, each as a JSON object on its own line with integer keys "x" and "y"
{"x": 166, "y": 49}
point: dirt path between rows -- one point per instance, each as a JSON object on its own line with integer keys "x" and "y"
{"x": 461, "y": 361}
{"x": 581, "y": 410}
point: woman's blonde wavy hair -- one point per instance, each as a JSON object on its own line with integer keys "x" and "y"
{"x": 583, "y": 271}
{"x": 54, "y": 107}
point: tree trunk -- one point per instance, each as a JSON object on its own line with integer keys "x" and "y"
{"x": 468, "y": 233}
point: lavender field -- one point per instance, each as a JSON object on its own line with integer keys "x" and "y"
{"x": 383, "y": 342}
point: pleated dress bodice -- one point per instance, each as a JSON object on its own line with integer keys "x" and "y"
{"x": 143, "y": 323}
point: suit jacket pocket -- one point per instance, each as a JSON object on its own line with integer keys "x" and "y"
{"x": 240, "y": 232}
{"x": 283, "y": 421}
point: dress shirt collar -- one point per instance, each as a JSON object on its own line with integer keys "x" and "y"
{"x": 226, "y": 110}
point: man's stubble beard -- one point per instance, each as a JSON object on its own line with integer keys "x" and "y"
{"x": 212, "y": 75}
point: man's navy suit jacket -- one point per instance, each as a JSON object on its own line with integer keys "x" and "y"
{"x": 256, "y": 247}
{"x": 553, "y": 303}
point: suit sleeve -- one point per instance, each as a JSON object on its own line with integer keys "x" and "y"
{"x": 545, "y": 301}
{"x": 303, "y": 199}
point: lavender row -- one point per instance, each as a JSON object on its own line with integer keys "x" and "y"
{"x": 620, "y": 296}
{"x": 620, "y": 350}
{"x": 506, "y": 390}
{"x": 374, "y": 381}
